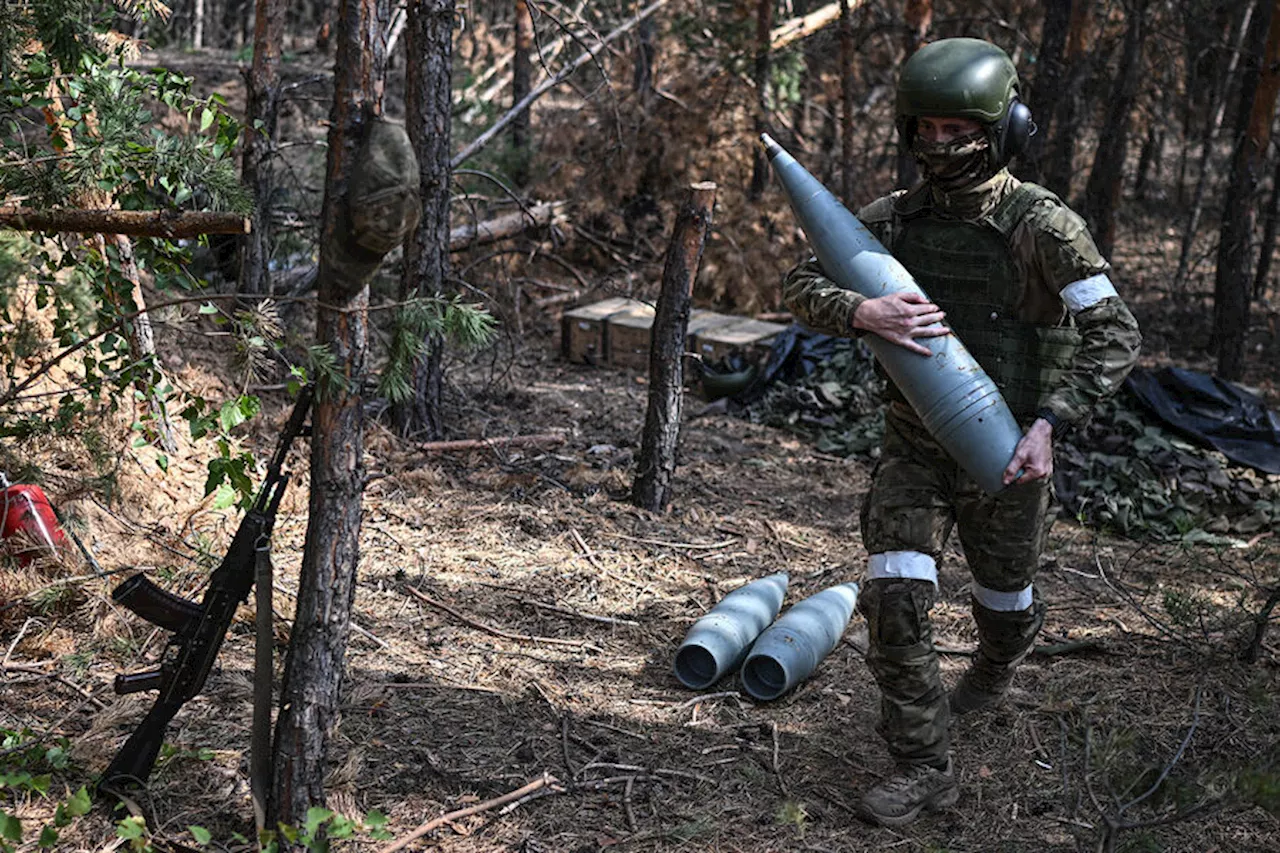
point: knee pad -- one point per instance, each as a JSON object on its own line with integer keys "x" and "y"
{"x": 1005, "y": 636}
{"x": 897, "y": 611}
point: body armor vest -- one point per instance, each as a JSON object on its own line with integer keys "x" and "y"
{"x": 967, "y": 269}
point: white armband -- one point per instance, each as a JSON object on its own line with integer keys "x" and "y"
{"x": 1087, "y": 292}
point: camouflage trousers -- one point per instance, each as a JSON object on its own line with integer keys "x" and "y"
{"x": 918, "y": 494}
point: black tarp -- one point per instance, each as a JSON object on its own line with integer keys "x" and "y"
{"x": 1213, "y": 412}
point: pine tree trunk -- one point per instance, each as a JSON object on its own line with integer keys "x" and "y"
{"x": 1212, "y": 128}
{"x": 655, "y": 468}
{"x": 1259, "y": 86}
{"x": 1062, "y": 147}
{"x": 429, "y": 48}
{"x": 848, "y": 176}
{"x": 259, "y": 141}
{"x": 521, "y": 80}
{"x": 917, "y": 18}
{"x": 1268, "y": 237}
{"x": 1148, "y": 159}
{"x": 1102, "y": 193}
{"x": 326, "y": 589}
{"x": 1043, "y": 96}
{"x": 646, "y": 53}
{"x": 760, "y": 163}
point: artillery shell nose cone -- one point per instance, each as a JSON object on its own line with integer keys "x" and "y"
{"x": 771, "y": 147}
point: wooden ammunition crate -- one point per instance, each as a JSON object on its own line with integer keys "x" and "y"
{"x": 701, "y": 320}
{"x": 584, "y": 331}
{"x": 628, "y": 336}
{"x": 753, "y": 337}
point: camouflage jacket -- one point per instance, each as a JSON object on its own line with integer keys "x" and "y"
{"x": 1052, "y": 249}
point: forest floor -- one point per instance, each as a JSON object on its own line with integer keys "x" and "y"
{"x": 549, "y": 651}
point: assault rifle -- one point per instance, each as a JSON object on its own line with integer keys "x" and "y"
{"x": 198, "y": 629}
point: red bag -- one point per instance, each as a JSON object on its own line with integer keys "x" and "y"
{"x": 30, "y": 528}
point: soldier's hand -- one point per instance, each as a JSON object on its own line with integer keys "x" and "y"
{"x": 901, "y": 318}
{"x": 1033, "y": 457}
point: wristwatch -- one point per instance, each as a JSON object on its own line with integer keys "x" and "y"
{"x": 1054, "y": 422}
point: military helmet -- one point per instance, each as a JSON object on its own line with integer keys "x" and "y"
{"x": 966, "y": 78}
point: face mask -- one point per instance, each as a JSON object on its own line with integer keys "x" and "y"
{"x": 954, "y": 165}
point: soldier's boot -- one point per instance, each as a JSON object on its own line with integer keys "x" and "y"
{"x": 914, "y": 789}
{"x": 1005, "y": 638}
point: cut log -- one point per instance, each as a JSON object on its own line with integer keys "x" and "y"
{"x": 506, "y": 225}
{"x": 137, "y": 223}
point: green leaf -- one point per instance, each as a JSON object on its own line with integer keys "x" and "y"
{"x": 200, "y": 834}
{"x": 131, "y": 828}
{"x": 206, "y": 119}
{"x": 230, "y": 415}
{"x": 79, "y": 803}
{"x": 208, "y": 308}
{"x": 315, "y": 817}
{"x": 225, "y": 496}
{"x": 48, "y": 836}
{"x": 162, "y": 462}
{"x": 10, "y": 827}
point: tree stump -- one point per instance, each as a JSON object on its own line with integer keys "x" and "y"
{"x": 656, "y": 467}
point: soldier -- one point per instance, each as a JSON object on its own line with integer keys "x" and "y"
{"x": 1020, "y": 281}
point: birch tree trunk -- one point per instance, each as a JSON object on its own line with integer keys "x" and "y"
{"x": 259, "y": 141}
{"x": 1231, "y": 294}
{"x": 656, "y": 465}
{"x": 326, "y": 589}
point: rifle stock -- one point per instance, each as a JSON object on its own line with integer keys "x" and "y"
{"x": 198, "y": 629}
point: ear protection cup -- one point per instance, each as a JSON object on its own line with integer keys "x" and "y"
{"x": 1019, "y": 129}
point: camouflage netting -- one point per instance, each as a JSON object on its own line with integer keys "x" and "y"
{"x": 837, "y": 406}
{"x": 1124, "y": 472}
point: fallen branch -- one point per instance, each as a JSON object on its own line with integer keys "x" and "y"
{"x": 806, "y": 25}
{"x": 485, "y": 138}
{"x": 464, "y": 444}
{"x": 547, "y": 780}
{"x": 498, "y": 632}
{"x": 608, "y": 620}
{"x": 506, "y": 225}
{"x": 171, "y": 224}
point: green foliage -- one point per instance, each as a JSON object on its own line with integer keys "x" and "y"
{"x": 79, "y": 127}
{"x": 24, "y": 772}
{"x": 416, "y": 323}
{"x": 321, "y": 825}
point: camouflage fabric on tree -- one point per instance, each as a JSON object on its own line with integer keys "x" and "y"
{"x": 382, "y": 206}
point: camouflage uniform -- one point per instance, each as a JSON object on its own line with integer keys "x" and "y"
{"x": 1026, "y": 289}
